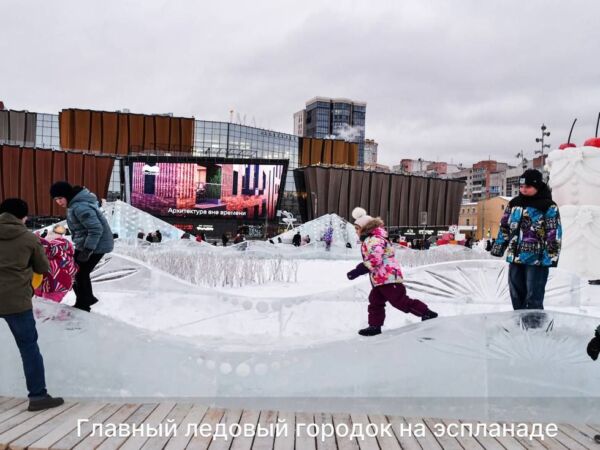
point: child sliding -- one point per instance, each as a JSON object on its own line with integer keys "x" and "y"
{"x": 386, "y": 277}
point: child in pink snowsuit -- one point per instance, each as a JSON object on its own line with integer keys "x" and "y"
{"x": 59, "y": 279}
{"x": 385, "y": 273}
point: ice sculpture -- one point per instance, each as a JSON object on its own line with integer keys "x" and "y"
{"x": 287, "y": 315}
{"x": 127, "y": 221}
{"x": 409, "y": 257}
{"x": 201, "y": 265}
{"x": 509, "y": 366}
{"x": 575, "y": 183}
{"x": 343, "y": 231}
{"x": 485, "y": 281}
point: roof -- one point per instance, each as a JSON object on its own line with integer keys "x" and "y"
{"x": 338, "y": 100}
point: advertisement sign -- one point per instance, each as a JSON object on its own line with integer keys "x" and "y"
{"x": 207, "y": 189}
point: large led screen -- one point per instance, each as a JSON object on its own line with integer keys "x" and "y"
{"x": 206, "y": 190}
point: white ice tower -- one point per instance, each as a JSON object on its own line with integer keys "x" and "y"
{"x": 575, "y": 183}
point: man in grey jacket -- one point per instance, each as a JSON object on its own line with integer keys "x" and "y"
{"x": 22, "y": 254}
{"x": 91, "y": 236}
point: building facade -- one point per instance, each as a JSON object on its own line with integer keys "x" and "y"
{"x": 489, "y": 213}
{"x": 299, "y": 123}
{"x": 370, "y": 158}
{"x": 398, "y": 199}
{"x": 467, "y": 220}
{"x": 335, "y": 118}
{"x": 230, "y": 140}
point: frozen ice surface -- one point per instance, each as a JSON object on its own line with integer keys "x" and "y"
{"x": 483, "y": 366}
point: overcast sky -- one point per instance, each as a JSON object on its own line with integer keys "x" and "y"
{"x": 446, "y": 80}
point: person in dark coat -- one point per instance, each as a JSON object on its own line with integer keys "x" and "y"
{"x": 224, "y": 239}
{"x": 22, "y": 255}
{"x": 157, "y": 236}
{"x": 91, "y": 236}
{"x": 150, "y": 237}
{"x": 531, "y": 232}
{"x": 297, "y": 239}
{"x": 140, "y": 235}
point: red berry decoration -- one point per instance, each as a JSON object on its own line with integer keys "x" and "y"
{"x": 595, "y": 141}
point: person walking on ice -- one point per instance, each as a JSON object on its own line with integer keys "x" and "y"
{"x": 91, "y": 235}
{"x": 385, "y": 273}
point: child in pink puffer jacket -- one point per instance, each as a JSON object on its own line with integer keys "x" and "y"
{"x": 380, "y": 263}
{"x": 59, "y": 280}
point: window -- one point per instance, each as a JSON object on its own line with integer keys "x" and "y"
{"x": 468, "y": 222}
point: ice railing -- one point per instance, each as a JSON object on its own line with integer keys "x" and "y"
{"x": 315, "y": 250}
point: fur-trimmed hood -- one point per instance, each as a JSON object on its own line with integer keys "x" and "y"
{"x": 373, "y": 225}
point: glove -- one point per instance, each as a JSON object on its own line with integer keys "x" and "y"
{"x": 496, "y": 251}
{"x": 593, "y": 348}
{"x": 84, "y": 255}
{"x": 359, "y": 270}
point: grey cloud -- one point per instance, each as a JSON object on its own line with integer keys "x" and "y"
{"x": 442, "y": 79}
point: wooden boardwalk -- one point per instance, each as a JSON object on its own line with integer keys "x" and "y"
{"x": 57, "y": 429}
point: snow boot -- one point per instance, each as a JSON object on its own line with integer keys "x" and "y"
{"x": 370, "y": 331}
{"x": 429, "y": 315}
{"x": 46, "y": 402}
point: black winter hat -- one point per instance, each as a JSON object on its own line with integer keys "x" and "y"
{"x": 61, "y": 189}
{"x": 532, "y": 177}
{"x": 15, "y": 206}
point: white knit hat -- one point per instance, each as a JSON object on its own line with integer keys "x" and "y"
{"x": 361, "y": 218}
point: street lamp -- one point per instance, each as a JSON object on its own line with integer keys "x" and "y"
{"x": 521, "y": 156}
{"x": 541, "y": 140}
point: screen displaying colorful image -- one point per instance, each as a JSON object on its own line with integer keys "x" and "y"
{"x": 206, "y": 189}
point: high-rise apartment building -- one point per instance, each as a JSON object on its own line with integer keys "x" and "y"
{"x": 336, "y": 118}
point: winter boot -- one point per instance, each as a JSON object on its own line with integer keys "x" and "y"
{"x": 82, "y": 307}
{"x": 370, "y": 331}
{"x": 46, "y": 402}
{"x": 429, "y": 315}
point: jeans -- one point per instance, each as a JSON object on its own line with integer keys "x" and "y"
{"x": 22, "y": 326}
{"x": 83, "y": 284}
{"x": 396, "y": 295}
{"x": 527, "y": 286}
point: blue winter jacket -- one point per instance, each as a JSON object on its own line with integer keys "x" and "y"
{"x": 89, "y": 228}
{"x": 532, "y": 234}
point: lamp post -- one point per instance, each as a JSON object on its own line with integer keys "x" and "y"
{"x": 541, "y": 141}
{"x": 521, "y": 156}
{"x": 316, "y": 204}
